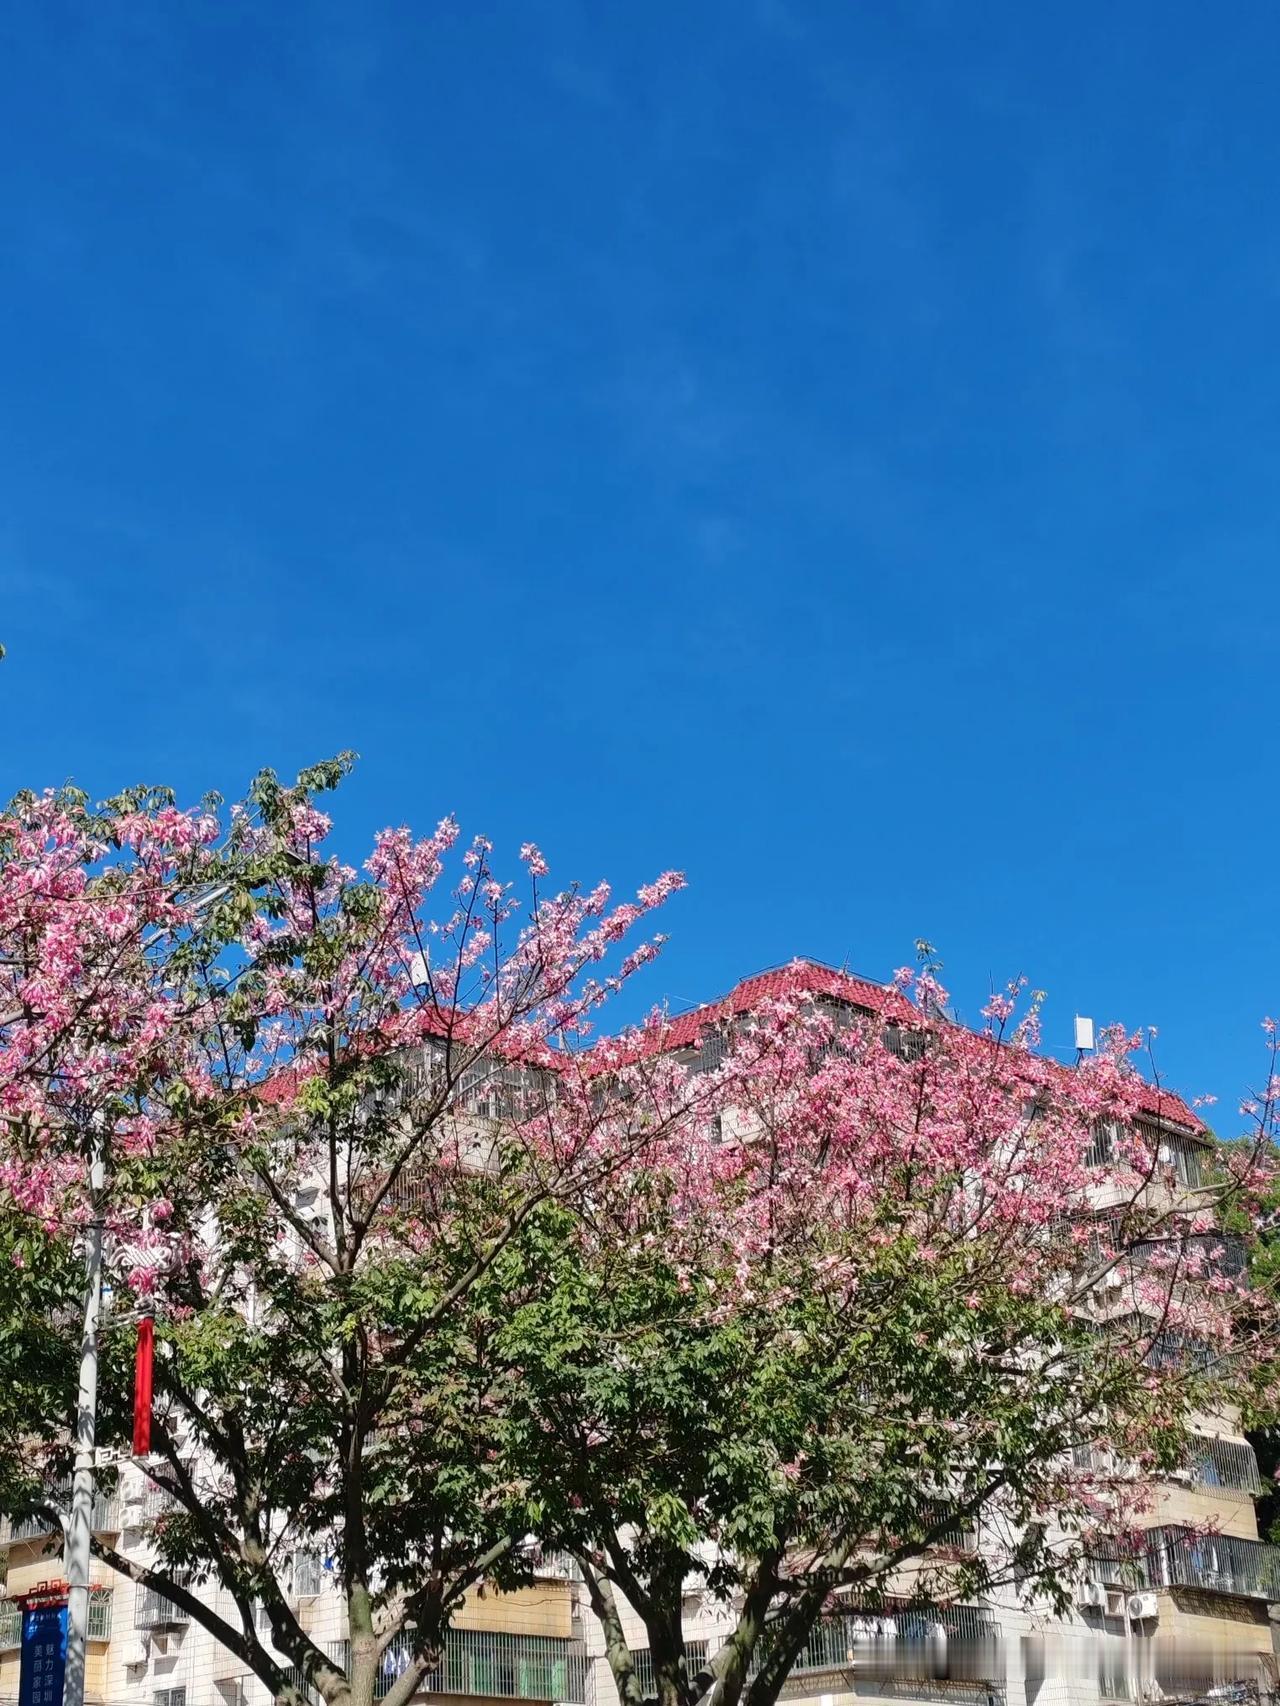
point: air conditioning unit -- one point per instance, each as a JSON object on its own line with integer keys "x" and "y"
{"x": 1142, "y": 1606}
{"x": 135, "y": 1654}
{"x": 1092, "y": 1596}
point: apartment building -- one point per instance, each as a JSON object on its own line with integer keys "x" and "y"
{"x": 526, "y": 1644}
{"x": 1188, "y": 1620}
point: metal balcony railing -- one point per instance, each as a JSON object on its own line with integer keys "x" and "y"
{"x": 105, "y": 1518}
{"x": 27, "y": 1528}
{"x": 299, "y": 1682}
{"x": 1178, "y": 1350}
{"x": 934, "y": 1518}
{"x": 1175, "y": 1556}
{"x": 1214, "y": 1563}
{"x": 556, "y": 1567}
{"x": 483, "y": 1661}
{"x": 1193, "y": 1254}
{"x": 152, "y": 1610}
{"x": 1210, "y": 1462}
{"x": 957, "y": 1642}
{"x": 1224, "y": 1463}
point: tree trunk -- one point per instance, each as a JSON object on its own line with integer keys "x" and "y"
{"x": 665, "y": 1626}
{"x": 362, "y": 1667}
{"x": 733, "y": 1661}
{"x": 671, "y": 1679}
{"x": 617, "y": 1650}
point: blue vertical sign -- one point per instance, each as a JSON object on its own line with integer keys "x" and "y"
{"x": 44, "y": 1655}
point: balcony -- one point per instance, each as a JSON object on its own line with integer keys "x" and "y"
{"x": 153, "y": 1611}
{"x": 1224, "y": 1463}
{"x": 1214, "y": 1563}
{"x": 952, "y": 1644}
{"x": 486, "y": 1662}
{"x": 556, "y": 1567}
{"x": 105, "y": 1519}
{"x": 1195, "y": 1254}
{"x": 945, "y": 1529}
{"x": 1183, "y": 1159}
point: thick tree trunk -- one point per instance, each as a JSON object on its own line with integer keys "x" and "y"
{"x": 665, "y": 1626}
{"x": 616, "y": 1647}
{"x": 733, "y": 1661}
{"x": 362, "y": 1667}
{"x": 787, "y": 1638}
{"x": 671, "y": 1680}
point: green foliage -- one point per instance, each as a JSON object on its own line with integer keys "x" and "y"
{"x": 41, "y": 1299}
{"x": 1264, "y": 1275}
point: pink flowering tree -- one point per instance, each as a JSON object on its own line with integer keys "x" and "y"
{"x": 338, "y": 1110}
{"x": 435, "y": 1265}
{"x": 95, "y": 906}
{"x": 928, "y": 1316}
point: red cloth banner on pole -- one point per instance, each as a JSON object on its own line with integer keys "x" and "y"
{"x": 142, "y": 1387}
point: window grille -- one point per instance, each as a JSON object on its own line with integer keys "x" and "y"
{"x": 152, "y": 1610}
{"x": 100, "y": 1614}
{"x": 711, "y": 1053}
{"x": 483, "y": 1661}
{"x": 1185, "y": 1156}
{"x": 308, "y": 1574}
{"x": 1103, "y": 1146}
{"x": 1225, "y": 1463}
{"x": 1214, "y": 1563}
{"x": 10, "y": 1623}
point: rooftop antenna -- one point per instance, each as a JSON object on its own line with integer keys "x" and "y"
{"x": 1084, "y": 1038}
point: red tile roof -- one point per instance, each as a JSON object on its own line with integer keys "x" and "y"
{"x": 817, "y": 979}
{"x": 810, "y": 976}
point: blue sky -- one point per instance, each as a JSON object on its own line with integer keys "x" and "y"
{"x": 830, "y": 449}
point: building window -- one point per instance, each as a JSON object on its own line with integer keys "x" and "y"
{"x": 1102, "y": 1148}
{"x": 10, "y": 1623}
{"x": 169, "y": 1697}
{"x": 1225, "y": 1463}
{"x": 152, "y": 1610}
{"x": 99, "y": 1614}
{"x": 483, "y": 1661}
{"x": 99, "y": 1618}
{"x": 308, "y": 1574}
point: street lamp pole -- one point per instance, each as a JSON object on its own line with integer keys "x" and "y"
{"x": 80, "y": 1524}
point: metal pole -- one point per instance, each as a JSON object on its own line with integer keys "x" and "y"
{"x": 79, "y": 1527}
